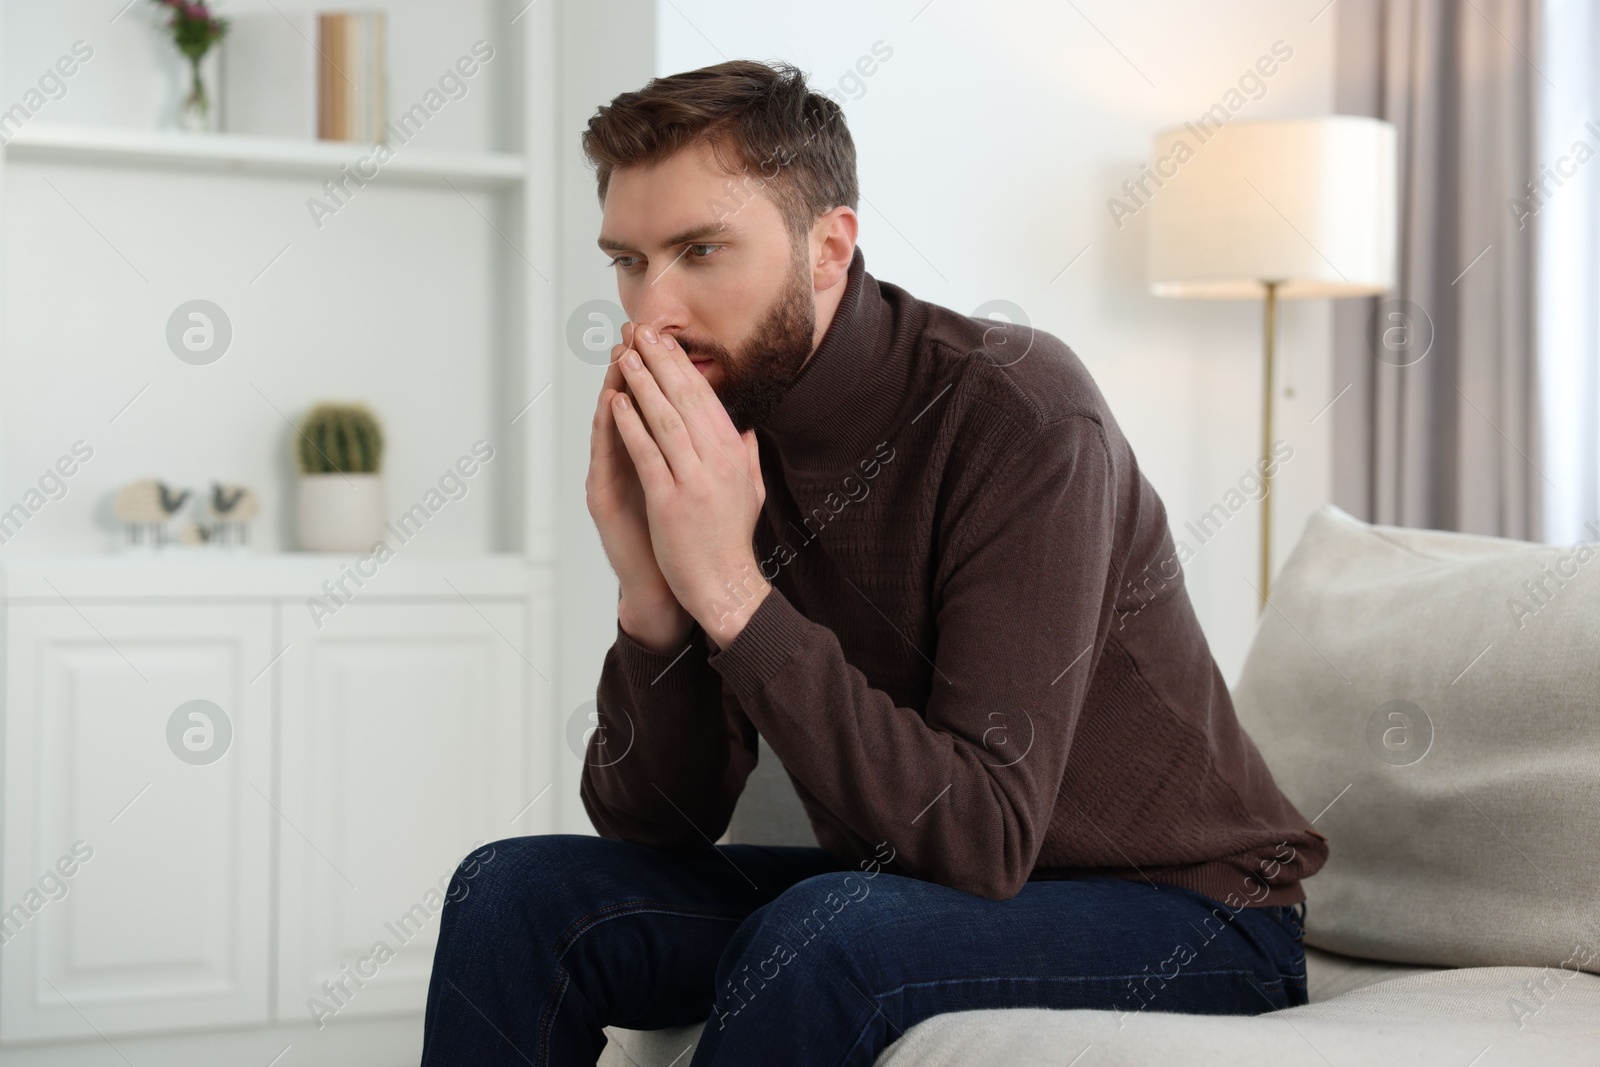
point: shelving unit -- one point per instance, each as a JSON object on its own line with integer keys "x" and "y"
{"x": 444, "y": 255}
{"x": 369, "y": 746}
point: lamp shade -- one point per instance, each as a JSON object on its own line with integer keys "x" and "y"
{"x": 1308, "y": 203}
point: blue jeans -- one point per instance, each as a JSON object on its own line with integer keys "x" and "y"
{"x": 795, "y": 958}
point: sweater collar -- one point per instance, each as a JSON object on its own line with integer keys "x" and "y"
{"x": 847, "y": 394}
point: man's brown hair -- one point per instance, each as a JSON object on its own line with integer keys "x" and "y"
{"x": 761, "y": 123}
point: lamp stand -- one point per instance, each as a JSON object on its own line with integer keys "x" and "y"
{"x": 1266, "y": 444}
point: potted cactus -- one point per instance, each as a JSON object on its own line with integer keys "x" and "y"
{"x": 339, "y": 451}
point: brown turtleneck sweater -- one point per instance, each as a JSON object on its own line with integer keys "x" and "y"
{"x": 954, "y": 658}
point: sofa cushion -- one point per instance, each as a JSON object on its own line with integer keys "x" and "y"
{"x": 1431, "y": 701}
{"x": 769, "y": 811}
{"x": 1330, "y": 975}
{"x": 1526, "y": 1015}
{"x": 1450, "y": 1016}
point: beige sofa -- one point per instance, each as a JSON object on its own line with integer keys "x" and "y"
{"x": 1432, "y": 701}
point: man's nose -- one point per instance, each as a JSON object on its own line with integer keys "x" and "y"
{"x": 658, "y": 303}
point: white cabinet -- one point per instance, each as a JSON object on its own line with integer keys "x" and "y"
{"x": 403, "y": 735}
{"x": 163, "y": 920}
{"x": 218, "y": 806}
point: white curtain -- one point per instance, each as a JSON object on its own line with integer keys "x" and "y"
{"x": 1565, "y": 217}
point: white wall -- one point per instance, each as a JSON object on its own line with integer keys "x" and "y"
{"x": 596, "y": 63}
{"x": 988, "y": 144}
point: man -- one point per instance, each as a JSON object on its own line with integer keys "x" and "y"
{"x": 913, "y": 550}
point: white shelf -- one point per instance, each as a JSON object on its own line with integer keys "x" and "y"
{"x": 244, "y": 154}
{"x": 215, "y": 574}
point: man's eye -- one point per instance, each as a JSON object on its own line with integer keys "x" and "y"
{"x": 618, "y": 261}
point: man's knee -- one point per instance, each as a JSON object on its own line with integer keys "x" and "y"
{"x": 837, "y": 906}
{"x": 515, "y": 881}
{"x": 824, "y": 926}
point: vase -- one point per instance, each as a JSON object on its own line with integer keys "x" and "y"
{"x": 195, "y": 113}
{"x": 339, "y": 512}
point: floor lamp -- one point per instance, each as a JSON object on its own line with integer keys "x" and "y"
{"x": 1286, "y": 210}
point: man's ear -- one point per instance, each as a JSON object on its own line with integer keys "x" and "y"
{"x": 834, "y": 237}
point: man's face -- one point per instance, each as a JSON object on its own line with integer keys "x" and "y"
{"x": 704, "y": 256}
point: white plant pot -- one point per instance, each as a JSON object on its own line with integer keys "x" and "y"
{"x": 339, "y": 512}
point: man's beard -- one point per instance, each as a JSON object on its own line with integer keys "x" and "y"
{"x": 754, "y": 382}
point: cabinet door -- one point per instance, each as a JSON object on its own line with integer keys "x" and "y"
{"x": 404, "y": 735}
{"x": 137, "y": 823}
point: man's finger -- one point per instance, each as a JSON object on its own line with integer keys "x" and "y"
{"x": 691, "y": 395}
{"x": 665, "y": 422}
{"x": 606, "y": 451}
{"x": 654, "y": 473}
{"x": 754, "y": 448}
{"x": 611, "y": 379}
{"x": 685, "y": 386}
{"x": 613, "y": 375}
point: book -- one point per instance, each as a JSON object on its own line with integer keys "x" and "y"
{"x": 268, "y": 74}
{"x": 351, "y": 77}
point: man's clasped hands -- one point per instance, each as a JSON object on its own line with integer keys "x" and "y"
{"x": 675, "y": 491}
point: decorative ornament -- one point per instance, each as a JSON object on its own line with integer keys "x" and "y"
{"x": 145, "y": 507}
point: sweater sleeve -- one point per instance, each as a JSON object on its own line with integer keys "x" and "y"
{"x": 963, "y": 789}
{"x": 668, "y": 757}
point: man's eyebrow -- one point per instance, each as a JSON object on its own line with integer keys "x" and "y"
{"x": 689, "y": 236}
